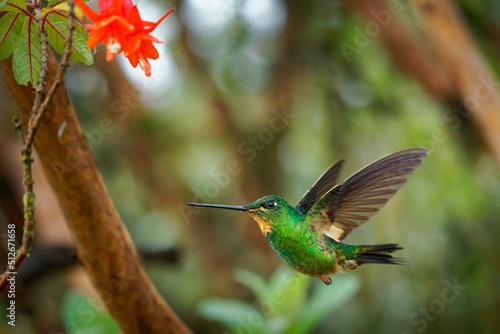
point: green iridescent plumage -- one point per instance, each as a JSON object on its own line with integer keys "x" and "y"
{"x": 308, "y": 237}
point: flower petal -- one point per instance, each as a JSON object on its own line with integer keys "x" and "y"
{"x": 134, "y": 18}
{"x": 150, "y": 51}
{"x": 96, "y": 36}
{"x": 89, "y": 13}
{"x": 133, "y": 59}
{"x": 153, "y": 27}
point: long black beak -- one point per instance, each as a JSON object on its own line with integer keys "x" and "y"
{"x": 229, "y": 207}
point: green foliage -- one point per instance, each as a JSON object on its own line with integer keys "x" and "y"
{"x": 11, "y": 26}
{"x": 53, "y": 3}
{"x": 57, "y": 30}
{"x": 13, "y": 5}
{"x": 226, "y": 311}
{"x": 284, "y": 305}
{"x": 80, "y": 315}
{"x": 26, "y": 62}
{"x": 20, "y": 37}
{"x": 3, "y": 3}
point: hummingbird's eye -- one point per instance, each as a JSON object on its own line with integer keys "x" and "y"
{"x": 270, "y": 204}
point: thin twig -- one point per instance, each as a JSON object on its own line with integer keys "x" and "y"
{"x": 19, "y": 128}
{"x": 39, "y": 109}
{"x": 43, "y": 70}
{"x": 60, "y": 74}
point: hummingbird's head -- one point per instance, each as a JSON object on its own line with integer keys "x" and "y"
{"x": 270, "y": 211}
{"x": 267, "y": 211}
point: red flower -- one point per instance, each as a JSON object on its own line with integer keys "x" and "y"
{"x": 120, "y": 28}
{"x": 139, "y": 46}
{"x": 110, "y": 25}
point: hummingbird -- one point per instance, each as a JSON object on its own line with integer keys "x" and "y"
{"x": 309, "y": 237}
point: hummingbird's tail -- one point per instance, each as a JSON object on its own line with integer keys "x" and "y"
{"x": 379, "y": 254}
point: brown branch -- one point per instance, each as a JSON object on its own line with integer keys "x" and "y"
{"x": 63, "y": 65}
{"x": 473, "y": 80}
{"x": 444, "y": 60}
{"x": 103, "y": 244}
{"x": 36, "y": 114}
{"x": 403, "y": 46}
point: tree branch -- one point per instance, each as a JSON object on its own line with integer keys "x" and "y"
{"x": 473, "y": 80}
{"x": 403, "y": 46}
{"x": 444, "y": 60}
{"x": 103, "y": 244}
{"x": 37, "y": 112}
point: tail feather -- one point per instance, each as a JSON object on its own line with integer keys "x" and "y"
{"x": 380, "y": 254}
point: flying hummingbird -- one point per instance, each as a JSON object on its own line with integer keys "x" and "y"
{"x": 309, "y": 237}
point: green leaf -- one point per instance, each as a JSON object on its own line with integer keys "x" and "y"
{"x": 323, "y": 301}
{"x": 80, "y": 315}
{"x": 3, "y": 3}
{"x": 13, "y": 6}
{"x": 287, "y": 291}
{"x": 232, "y": 313}
{"x": 11, "y": 26}
{"x": 254, "y": 282}
{"x": 56, "y": 26}
{"x": 26, "y": 62}
{"x": 52, "y": 3}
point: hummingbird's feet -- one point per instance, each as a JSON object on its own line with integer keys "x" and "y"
{"x": 325, "y": 279}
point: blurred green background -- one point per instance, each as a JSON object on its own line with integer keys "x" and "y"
{"x": 256, "y": 97}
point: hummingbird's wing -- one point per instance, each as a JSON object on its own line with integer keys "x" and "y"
{"x": 354, "y": 201}
{"x": 323, "y": 184}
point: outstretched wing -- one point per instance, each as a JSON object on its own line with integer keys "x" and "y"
{"x": 323, "y": 184}
{"x": 354, "y": 201}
